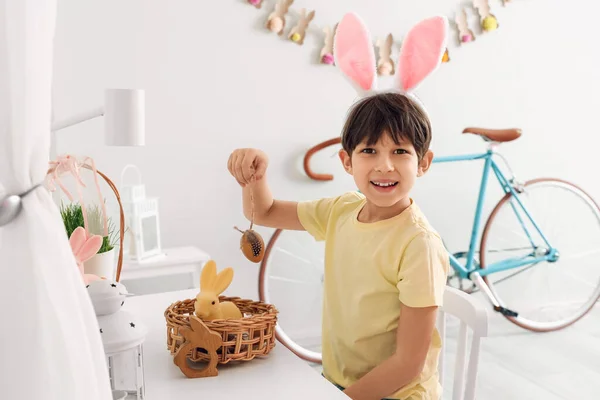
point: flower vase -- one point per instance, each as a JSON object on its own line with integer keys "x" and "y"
{"x": 101, "y": 264}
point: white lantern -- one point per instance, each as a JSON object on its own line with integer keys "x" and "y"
{"x": 142, "y": 239}
{"x": 123, "y": 337}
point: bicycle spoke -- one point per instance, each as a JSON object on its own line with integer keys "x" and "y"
{"x": 522, "y": 222}
{"x": 520, "y": 234}
{"x": 560, "y": 290}
{"x": 581, "y": 254}
{"x": 565, "y": 272}
{"x": 505, "y": 278}
{"x": 316, "y": 265}
{"x": 546, "y": 215}
{"x": 294, "y": 256}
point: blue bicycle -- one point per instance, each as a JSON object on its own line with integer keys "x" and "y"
{"x": 540, "y": 244}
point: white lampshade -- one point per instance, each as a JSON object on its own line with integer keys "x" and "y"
{"x": 124, "y": 117}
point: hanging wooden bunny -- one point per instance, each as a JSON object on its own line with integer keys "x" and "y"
{"x": 488, "y": 20}
{"x": 385, "y": 65}
{"x": 276, "y": 20}
{"x": 298, "y": 32}
{"x": 465, "y": 35}
{"x": 327, "y": 50}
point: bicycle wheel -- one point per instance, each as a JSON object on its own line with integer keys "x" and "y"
{"x": 548, "y": 295}
{"x": 291, "y": 278}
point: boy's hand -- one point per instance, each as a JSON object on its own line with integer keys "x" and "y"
{"x": 244, "y": 164}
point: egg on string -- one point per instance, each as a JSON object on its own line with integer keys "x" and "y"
{"x": 251, "y": 243}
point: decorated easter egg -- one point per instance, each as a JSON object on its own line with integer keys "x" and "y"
{"x": 252, "y": 246}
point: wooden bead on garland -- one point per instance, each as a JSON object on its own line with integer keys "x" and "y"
{"x": 488, "y": 20}
{"x": 489, "y": 23}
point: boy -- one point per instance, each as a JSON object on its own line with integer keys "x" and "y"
{"x": 385, "y": 266}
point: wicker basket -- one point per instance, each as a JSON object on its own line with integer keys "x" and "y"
{"x": 243, "y": 339}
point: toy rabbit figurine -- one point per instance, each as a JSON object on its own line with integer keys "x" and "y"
{"x": 84, "y": 248}
{"x": 207, "y": 306}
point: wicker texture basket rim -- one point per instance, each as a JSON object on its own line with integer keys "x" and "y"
{"x": 243, "y": 339}
{"x": 270, "y": 311}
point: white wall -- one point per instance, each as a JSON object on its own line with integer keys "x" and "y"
{"x": 216, "y": 80}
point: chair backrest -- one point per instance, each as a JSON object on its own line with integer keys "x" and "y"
{"x": 471, "y": 314}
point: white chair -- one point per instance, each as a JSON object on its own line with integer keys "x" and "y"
{"x": 471, "y": 313}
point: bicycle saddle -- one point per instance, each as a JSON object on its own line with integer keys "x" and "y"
{"x": 495, "y": 135}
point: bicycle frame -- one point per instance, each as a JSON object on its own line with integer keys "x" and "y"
{"x": 465, "y": 270}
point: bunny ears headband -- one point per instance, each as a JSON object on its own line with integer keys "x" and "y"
{"x": 421, "y": 53}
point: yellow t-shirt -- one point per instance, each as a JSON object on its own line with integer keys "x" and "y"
{"x": 370, "y": 268}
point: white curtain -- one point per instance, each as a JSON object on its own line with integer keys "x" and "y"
{"x": 50, "y": 344}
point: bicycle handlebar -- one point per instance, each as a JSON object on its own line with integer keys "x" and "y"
{"x": 311, "y": 152}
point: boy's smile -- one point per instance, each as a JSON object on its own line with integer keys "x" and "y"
{"x": 385, "y": 172}
{"x": 384, "y": 185}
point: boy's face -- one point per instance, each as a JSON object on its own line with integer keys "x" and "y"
{"x": 385, "y": 172}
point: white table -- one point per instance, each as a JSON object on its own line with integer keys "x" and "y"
{"x": 281, "y": 375}
{"x": 177, "y": 268}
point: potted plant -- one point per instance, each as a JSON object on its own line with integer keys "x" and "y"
{"x": 103, "y": 263}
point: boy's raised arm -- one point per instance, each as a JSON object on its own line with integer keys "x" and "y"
{"x": 248, "y": 167}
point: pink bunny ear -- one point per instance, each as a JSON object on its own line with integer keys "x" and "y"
{"x": 89, "y": 248}
{"x": 421, "y": 52}
{"x": 354, "y": 54}
{"x": 77, "y": 239}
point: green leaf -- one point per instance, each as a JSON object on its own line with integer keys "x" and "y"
{"x": 72, "y": 217}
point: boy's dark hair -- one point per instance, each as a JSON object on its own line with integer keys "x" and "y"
{"x": 392, "y": 113}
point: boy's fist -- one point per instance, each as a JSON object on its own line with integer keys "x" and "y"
{"x": 245, "y": 164}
